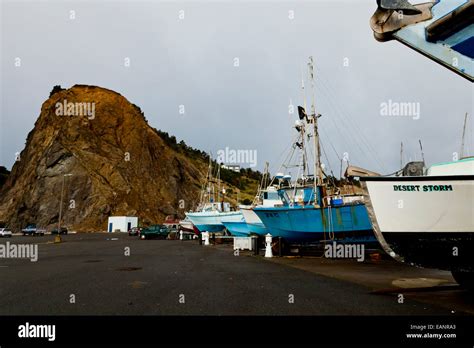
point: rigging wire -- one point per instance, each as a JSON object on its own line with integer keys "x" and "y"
{"x": 331, "y": 144}
{"x": 356, "y": 127}
{"x": 348, "y": 120}
{"x": 330, "y": 103}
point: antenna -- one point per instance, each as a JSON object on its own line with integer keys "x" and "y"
{"x": 401, "y": 155}
{"x": 311, "y": 77}
{"x": 422, "y": 154}
{"x": 303, "y": 128}
{"x": 463, "y": 136}
{"x": 303, "y": 91}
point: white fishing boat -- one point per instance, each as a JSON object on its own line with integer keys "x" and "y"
{"x": 210, "y": 218}
{"x": 212, "y": 208}
{"x": 250, "y": 222}
{"x": 267, "y": 198}
{"x": 427, "y": 219}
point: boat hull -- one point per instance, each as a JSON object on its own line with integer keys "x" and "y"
{"x": 257, "y": 228}
{"x": 237, "y": 228}
{"x": 254, "y": 224}
{"x": 349, "y": 223}
{"x": 427, "y": 221}
{"x": 212, "y": 221}
{"x": 250, "y": 216}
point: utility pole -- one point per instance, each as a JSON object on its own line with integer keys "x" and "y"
{"x": 58, "y": 239}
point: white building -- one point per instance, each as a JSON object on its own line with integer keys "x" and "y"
{"x": 233, "y": 167}
{"x": 121, "y": 223}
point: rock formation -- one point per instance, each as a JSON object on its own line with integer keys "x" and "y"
{"x": 119, "y": 165}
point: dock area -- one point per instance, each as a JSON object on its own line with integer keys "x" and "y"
{"x": 116, "y": 274}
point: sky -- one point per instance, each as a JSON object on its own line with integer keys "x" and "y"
{"x": 225, "y": 74}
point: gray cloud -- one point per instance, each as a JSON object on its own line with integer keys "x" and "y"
{"x": 190, "y": 62}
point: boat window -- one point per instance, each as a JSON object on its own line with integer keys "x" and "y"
{"x": 272, "y": 195}
{"x": 283, "y": 195}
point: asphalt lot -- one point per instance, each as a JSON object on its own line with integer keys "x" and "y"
{"x": 178, "y": 278}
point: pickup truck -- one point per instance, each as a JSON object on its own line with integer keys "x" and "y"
{"x": 64, "y": 230}
{"x": 5, "y": 232}
{"x": 32, "y": 230}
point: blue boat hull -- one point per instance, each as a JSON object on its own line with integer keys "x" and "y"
{"x": 210, "y": 228}
{"x": 237, "y": 228}
{"x": 258, "y": 229}
{"x": 349, "y": 223}
{"x": 211, "y": 221}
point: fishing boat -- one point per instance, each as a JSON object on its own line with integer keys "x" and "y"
{"x": 186, "y": 225}
{"x": 308, "y": 215}
{"x": 251, "y": 223}
{"x": 313, "y": 211}
{"x": 211, "y": 212}
{"x": 266, "y": 198}
{"x": 210, "y": 218}
{"x": 237, "y": 228}
{"x": 425, "y": 217}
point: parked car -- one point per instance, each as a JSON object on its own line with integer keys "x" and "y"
{"x": 32, "y": 230}
{"x": 155, "y": 231}
{"x": 5, "y": 232}
{"x": 134, "y": 231}
{"x": 64, "y": 230}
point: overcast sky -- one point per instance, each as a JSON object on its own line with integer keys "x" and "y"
{"x": 236, "y": 68}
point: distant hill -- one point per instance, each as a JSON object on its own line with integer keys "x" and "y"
{"x": 119, "y": 165}
{"x": 3, "y": 175}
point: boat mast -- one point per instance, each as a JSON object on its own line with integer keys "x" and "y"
{"x": 303, "y": 130}
{"x": 218, "y": 182}
{"x": 219, "y": 193}
{"x": 209, "y": 182}
{"x": 314, "y": 119}
{"x": 205, "y": 188}
{"x": 261, "y": 187}
{"x": 463, "y": 136}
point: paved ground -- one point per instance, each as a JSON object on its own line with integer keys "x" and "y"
{"x": 94, "y": 269}
{"x": 387, "y": 277}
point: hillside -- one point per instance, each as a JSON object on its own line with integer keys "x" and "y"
{"x": 119, "y": 165}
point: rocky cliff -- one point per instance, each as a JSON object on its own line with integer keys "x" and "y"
{"x": 119, "y": 165}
